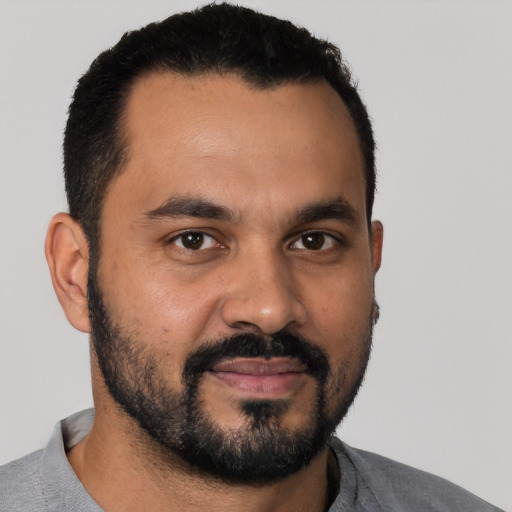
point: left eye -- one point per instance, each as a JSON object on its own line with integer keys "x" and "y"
{"x": 194, "y": 241}
{"x": 314, "y": 241}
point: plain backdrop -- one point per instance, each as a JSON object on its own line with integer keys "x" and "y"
{"x": 437, "y": 79}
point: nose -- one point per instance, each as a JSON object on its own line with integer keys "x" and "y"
{"x": 263, "y": 296}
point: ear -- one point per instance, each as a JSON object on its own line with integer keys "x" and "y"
{"x": 67, "y": 254}
{"x": 376, "y": 241}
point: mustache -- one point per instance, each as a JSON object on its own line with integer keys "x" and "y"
{"x": 250, "y": 345}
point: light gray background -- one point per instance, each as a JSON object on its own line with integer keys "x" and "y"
{"x": 436, "y": 76}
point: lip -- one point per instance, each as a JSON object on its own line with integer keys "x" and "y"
{"x": 261, "y": 378}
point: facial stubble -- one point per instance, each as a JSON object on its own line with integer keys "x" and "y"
{"x": 260, "y": 451}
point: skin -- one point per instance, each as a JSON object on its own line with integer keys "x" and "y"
{"x": 264, "y": 155}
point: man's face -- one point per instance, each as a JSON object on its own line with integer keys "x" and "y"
{"x": 231, "y": 307}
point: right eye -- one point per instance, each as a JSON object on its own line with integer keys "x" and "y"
{"x": 194, "y": 241}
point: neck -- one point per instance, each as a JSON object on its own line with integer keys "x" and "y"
{"x": 118, "y": 467}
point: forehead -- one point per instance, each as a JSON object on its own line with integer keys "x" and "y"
{"x": 214, "y": 134}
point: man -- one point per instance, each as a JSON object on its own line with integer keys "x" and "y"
{"x": 220, "y": 252}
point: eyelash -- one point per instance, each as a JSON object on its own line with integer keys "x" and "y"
{"x": 191, "y": 233}
{"x": 325, "y": 237}
{"x": 334, "y": 240}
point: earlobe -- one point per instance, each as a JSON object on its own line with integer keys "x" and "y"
{"x": 376, "y": 241}
{"x": 67, "y": 254}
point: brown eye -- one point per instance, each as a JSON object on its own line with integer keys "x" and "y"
{"x": 194, "y": 241}
{"x": 314, "y": 241}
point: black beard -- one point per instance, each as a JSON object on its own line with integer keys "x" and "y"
{"x": 261, "y": 451}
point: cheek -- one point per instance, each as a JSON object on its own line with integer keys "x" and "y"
{"x": 340, "y": 307}
{"x": 339, "y": 321}
{"x": 170, "y": 314}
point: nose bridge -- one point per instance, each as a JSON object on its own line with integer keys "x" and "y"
{"x": 263, "y": 294}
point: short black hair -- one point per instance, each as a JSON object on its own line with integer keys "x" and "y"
{"x": 262, "y": 50}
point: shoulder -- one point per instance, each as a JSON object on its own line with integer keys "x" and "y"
{"x": 21, "y": 484}
{"x": 400, "y": 487}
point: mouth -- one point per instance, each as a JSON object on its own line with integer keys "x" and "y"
{"x": 261, "y": 378}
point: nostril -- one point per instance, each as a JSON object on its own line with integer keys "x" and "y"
{"x": 262, "y": 300}
{"x": 247, "y": 327}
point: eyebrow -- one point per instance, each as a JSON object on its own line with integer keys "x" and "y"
{"x": 183, "y": 206}
{"x": 338, "y": 209}
{"x": 179, "y": 206}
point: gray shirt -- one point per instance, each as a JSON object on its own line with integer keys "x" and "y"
{"x": 44, "y": 481}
